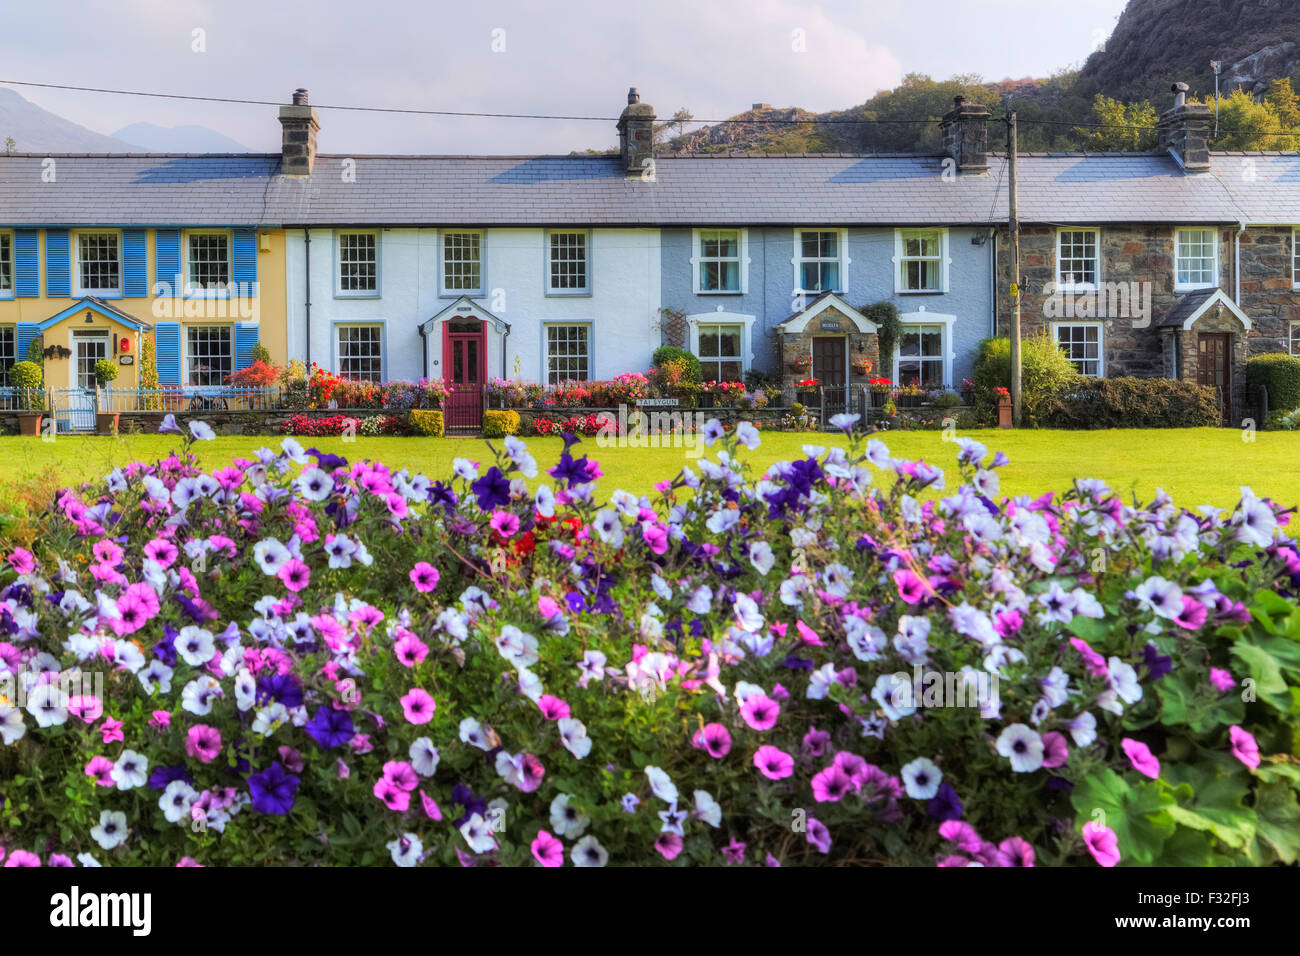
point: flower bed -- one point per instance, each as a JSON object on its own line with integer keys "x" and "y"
{"x": 299, "y": 659}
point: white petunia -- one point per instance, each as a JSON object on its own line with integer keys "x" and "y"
{"x": 662, "y": 786}
{"x": 176, "y": 800}
{"x": 196, "y": 696}
{"x": 270, "y": 719}
{"x": 424, "y": 756}
{"x": 12, "y": 727}
{"x": 195, "y": 645}
{"x": 131, "y": 770}
{"x": 921, "y": 778}
{"x": 761, "y": 557}
{"x": 589, "y": 852}
{"x": 202, "y": 431}
{"x": 406, "y": 849}
{"x": 48, "y": 704}
{"x": 111, "y": 830}
{"x": 573, "y": 734}
{"x": 314, "y": 484}
{"x": 270, "y": 556}
{"x": 707, "y": 809}
{"x": 1022, "y": 745}
{"x": 567, "y": 821}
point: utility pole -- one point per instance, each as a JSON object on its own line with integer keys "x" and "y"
{"x": 1014, "y": 224}
{"x": 1216, "y": 66}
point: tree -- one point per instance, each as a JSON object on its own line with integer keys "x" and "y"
{"x": 1246, "y": 123}
{"x": 1126, "y": 127}
{"x": 10, "y": 145}
{"x": 1284, "y": 102}
{"x": 678, "y": 122}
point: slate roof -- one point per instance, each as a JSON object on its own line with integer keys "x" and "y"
{"x": 1184, "y": 308}
{"x": 771, "y": 189}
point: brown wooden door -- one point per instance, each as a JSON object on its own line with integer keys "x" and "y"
{"x": 828, "y": 361}
{"x": 1214, "y": 365}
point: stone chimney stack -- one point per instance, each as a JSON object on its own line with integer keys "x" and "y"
{"x": 636, "y": 135}
{"x": 965, "y": 130}
{"x": 298, "y": 143}
{"x": 1185, "y": 132}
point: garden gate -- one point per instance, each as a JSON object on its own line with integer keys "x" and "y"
{"x": 73, "y": 409}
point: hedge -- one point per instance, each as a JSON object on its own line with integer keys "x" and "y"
{"x": 1279, "y": 373}
{"x": 426, "y": 421}
{"x": 671, "y": 353}
{"x": 1131, "y": 403}
{"x": 499, "y": 424}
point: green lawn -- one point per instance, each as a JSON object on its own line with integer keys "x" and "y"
{"x": 1195, "y": 466}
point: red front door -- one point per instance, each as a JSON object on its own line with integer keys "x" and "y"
{"x": 464, "y": 369}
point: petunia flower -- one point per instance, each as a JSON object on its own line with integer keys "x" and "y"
{"x": 418, "y": 706}
{"x": 773, "y": 763}
{"x": 1141, "y": 757}
{"x": 1244, "y": 747}
{"x": 547, "y": 850}
{"x": 1101, "y": 843}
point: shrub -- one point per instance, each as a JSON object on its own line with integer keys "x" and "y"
{"x": 256, "y": 375}
{"x": 426, "y": 421}
{"x": 435, "y": 670}
{"x": 889, "y": 328}
{"x": 1279, "y": 374}
{"x": 260, "y": 353}
{"x": 1130, "y": 403}
{"x": 1044, "y": 371}
{"x": 671, "y": 353}
{"x": 35, "y": 349}
{"x": 499, "y": 424}
{"x": 105, "y": 371}
{"x": 321, "y": 427}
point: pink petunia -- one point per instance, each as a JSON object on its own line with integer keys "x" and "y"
{"x": 504, "y": 523}
{"x": 818, "y": 835}
{"x": 547, "y": 607}
{"x": 1193, "y": 614}
{"x": 22, "y": 561}
{"x": 714, "y": 739}
{"x": 668, "y": 845}
{"x": 552, "y": 707}
{"x": 162, "y": 551}
{"x": 424, "y": 576}
{"x": 295, "y": 574}
{"x": 1101, "y": 843}
{"x": 831, "y": 785}
{"x": 655, "y": 536}
{"x": 1244, "y": 747}
{"x": 760, "y": 711}
{"x": 418, "y": 706}
{"x": 410, "y": 650}
{"x": 773, "y": 763}
{"x": 1020, "y": 851}
{"x": 203, "y": 743}
{"x": 394, "y": 797}
{"x": 808, "y": 635}
{"x": 1095, "y": 663}
{"x": 401, "y": 775}
{"x": 1140, "y": 755}
{"x": 734, "y": 851}
{"x": 22, "y": 857}
{"x": 431, "y": 808}
{"x": 548, "y": 850}
{"x": 160, "y": 719}
{"x": 86, "y": 707}
{"x": 961, "y": 833}
{"x": 1221, "y": 679}
{"x": 100, "y": 769}
{"x": 111, "y": 730}
{"x": 911, "y": 587}
{"x": 1055, "y": 752}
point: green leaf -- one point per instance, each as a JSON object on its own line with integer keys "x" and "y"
{"x": 1212, "y": 801}
{"x": 1278, "y": 819}
{"x": 1139, "y": 814}
{"x": 1269, "y": 684}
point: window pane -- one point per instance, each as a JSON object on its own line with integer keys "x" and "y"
{"x": 210, "y": 352}
{"x": 462, "y": 261}
{"x": 1078, "y": 257}
{"x": 568, "y": 260}
{"x": 8, "y": 352}
{"x": 98, "y": 268}
{"x": 6, "y": 263}
{"x": 358, "y": 262}
{"x": 209, "y": 261}
{"x": 567, "y": 354}
{"x": 360, "y": 351}
{"x": 709, "y": 342}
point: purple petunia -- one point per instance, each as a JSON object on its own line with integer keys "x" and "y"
{"x": 330, "y": 727}
{"x": 273, "y": 790}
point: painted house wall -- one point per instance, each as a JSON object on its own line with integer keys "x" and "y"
{"x": 622, "y": 307}
{"x": 266, "y": 308}
{"x": 870, "y": 278}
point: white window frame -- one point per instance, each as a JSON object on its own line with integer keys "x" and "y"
{"x": 339, "y": 291}
{"x": 79, "y": 291}
{"x": 185, "y": 346}
{"x": 4, "y": 369}
{"x": 697, "y": 257}
{"x": 922, "y": 317}
{"x": 944, "y": 260}
{"x": 9, "y": 293}
{"x": 1061, "y": 284}
{"x": 1101, "y": 342}
{"x": 798, "y": 260}
{"x": 195, "y": 292}
{"x": 549, "y": 289}
{"x": 1295, "y": 260}
{"x": 546, "y": 348}
{"x": 336, "y": 350}
{"x": 1178, "y": 259}
{"x": 1293, "y": 338}
{"x": 475, "y": 293}
{"x": 745, "y": 321}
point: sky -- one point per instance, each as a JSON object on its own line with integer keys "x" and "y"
{"x": 576, "y": 57}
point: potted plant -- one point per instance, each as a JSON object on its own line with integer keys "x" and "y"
{"x": 880, "y": 390}
{"x": 29, "y": 378}
{"x": 863, "y": 367}
{"x": 105, "y": 421}
{"x": 1004, "y": 407}
{"x": 909, "y": 396}
{"x": 801, "y": 364}
{"x": 806, "y": 391}
{"x": 705, "y": 397}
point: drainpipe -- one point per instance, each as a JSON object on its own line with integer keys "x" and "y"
{"x": 993, "y": 281}
{"x": 306, "y": 238}
{"x": 505, "y": 337}
{"x": 1236, "y": 264}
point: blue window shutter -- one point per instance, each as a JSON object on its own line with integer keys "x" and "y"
{"x": 135, "y": 270}
{"x": 58, "y": 264}
{"x": 245, "y": 260}
{"x": 26, "y": 332}
{"x": 245, "y": 339}
{"x": 167, "y": 335}
{"x": 27, "y": 264}
{"x": 167, "y": 259}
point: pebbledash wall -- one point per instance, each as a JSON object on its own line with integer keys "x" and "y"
{"x": 620, "y": 308}
{"x": 769, "y": 293}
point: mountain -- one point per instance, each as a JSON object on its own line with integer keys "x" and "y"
{"x": 36, "y": 130}
{"x": 179, "y": 139}
{"x": 1156, "y": 42}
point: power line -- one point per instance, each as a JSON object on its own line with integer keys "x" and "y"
{"x": 863, "y": 121}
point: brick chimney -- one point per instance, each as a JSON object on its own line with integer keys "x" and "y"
{"x": 298, "y": 144}
{"x": 1185, "y": 132}
{"x": 965, "y": 130}
{"x": 636, "y": 137}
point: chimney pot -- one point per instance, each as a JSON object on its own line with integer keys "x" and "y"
{"x": 636, "y": 135}
{"x": 300, "y": 97}
{"x": 1184, "y": 131}
{"x": 633, "y": 96}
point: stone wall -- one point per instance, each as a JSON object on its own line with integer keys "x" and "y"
{"x": 1267, "y": 291}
